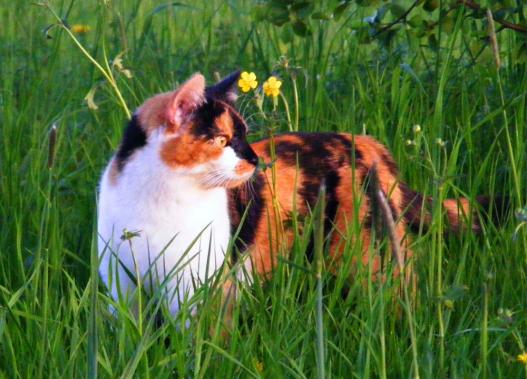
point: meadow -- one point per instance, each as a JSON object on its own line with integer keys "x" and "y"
{"x": 455, "y": 123}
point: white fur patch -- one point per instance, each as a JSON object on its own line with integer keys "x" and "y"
{"x": 221, "y": 170}
{"x": 168, "y": 210}
{"x": 226, "y": 164}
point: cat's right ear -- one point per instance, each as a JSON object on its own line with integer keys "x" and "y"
{"x": 226, "y": 89}
{"x": 187, "y": 98}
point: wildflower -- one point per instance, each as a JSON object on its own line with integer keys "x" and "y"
{"x": 416, "y": 128}
{"x": 128, "y": 235}
{"x": 272, "y": 86}
{"x": 90, "y": 99}
{"x": 258, "y": 365}
{"x": 247, "y": 81}
{"x": 80, "y": 28}
{"x": 118, "y": 64}
{"x": 52, "y": 145}
{"x": 440, "y": 142}
{"x": 521, "y": 214}
{"x": 409, "y": 142}
{"x": 504, "y": 312}
{"x": 522, "y": 358}
{"x": 449, "y": 304}
{"x": 506, "y": 315}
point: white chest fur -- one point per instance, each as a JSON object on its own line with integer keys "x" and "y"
{"x": 169, "y": 212}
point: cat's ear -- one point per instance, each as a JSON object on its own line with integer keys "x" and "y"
{"x": 226, "y": 89}
{"x": 187, "y": 98}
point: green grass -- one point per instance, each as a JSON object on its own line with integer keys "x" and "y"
{"x": 469, "y": 317}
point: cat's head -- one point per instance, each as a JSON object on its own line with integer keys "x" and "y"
{"x": 199, "y": 132}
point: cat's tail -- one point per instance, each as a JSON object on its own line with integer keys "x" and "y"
{"x": 462, "y": 214}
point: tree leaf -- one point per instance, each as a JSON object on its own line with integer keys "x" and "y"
{"x": 339, "y": 9}
{"x": 303, "y": 10}
{"x": 448, "y": 22}
{"x": 321, "y": 16}
{"x": 430, "y": 5}
{"x": 520, "y": 55}
{"x": 277, "y": 15}
{"x": 259, "y": 12}
{"x": 416, "y": 21}
{"x": 301, "y": 28}
{"x": 280, "y": 3}
{"x": 397, "y": 10}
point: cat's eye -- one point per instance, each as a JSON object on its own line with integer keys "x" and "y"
{"x": 220, "y": 141}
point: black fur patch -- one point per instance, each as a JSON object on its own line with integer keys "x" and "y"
{"x": 204, "y": 116}
{"x": 205, "y": 127}
{"x": 287, "y": 151}
{"x": 412, "y": 205}
{"x": 390, "y": 164}
{"x": 368, "y": 183}
{"x": 319, "y": 157}
{"x": 251, "y": 203}
{"x": 331, "y": 181}
{"x": 239, "y": 142}
{"x": 316, "y": 160}
{"x": 240, "y": 127}
{"x": 134, "y": 138}
{"x": 368, "y": 222}
{"x": 225, "y": 90}
{"x": 497, "y": 207}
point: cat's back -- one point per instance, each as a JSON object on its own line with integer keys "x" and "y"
{"x": 297, "y": 164}
{"x": 305, "y": 160}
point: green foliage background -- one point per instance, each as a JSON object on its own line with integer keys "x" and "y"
{"x": 360, "y": 67}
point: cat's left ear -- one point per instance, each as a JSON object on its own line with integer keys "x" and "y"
{"x": 226, "y": 89}
{"x": 187, "y": 98}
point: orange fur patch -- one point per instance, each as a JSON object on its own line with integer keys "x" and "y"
{"x": 225, "y": 124}
{"x": 243, "y": 167}
{"x": 458, "y": 213}
{"x": 187, "y": 151}
{"x": 114, "y": 172}
{"x": 165, "y": 108}
{"x": 152, "y": 114}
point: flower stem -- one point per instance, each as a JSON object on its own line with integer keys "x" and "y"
{"x": 107, "y": 74}
{"x": 288, "y": 114}
{"x": 297, "y": 110}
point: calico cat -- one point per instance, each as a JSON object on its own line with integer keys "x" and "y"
{"x": 185, "y": 179}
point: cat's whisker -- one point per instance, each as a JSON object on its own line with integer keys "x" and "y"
{"x": 220, "y": 178}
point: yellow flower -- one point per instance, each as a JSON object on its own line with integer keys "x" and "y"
{"x": 80, "y": 28}
{"x": 258, "y": 365}
{"x": 522, "y": 358}
{"x": 247, "y": 81}
{"x": 272, "y": 86}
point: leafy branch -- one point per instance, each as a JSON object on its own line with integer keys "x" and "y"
{"x": 506, "y": 24}
{"x": 398, "y": 20}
